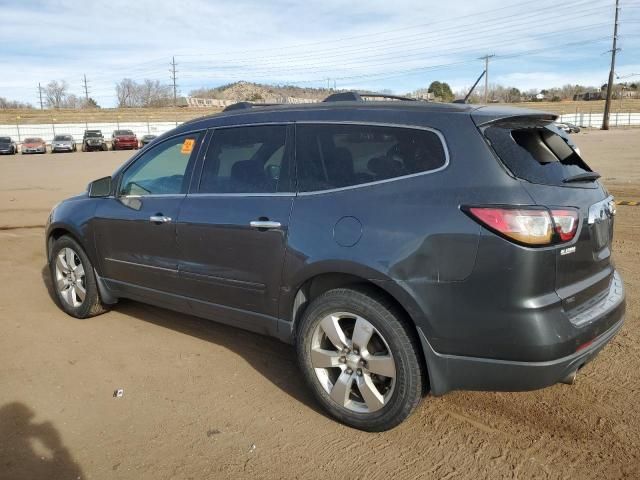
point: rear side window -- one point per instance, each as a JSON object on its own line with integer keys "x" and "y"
{"x": 247, "y": 160}
{"x": 536, "y": 153}
{"x": 335, "y": 156}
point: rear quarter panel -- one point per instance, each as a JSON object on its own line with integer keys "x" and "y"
{"x": 414, "y": 239}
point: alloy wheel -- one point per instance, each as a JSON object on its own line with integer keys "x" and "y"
{"x": 70, "y": 277}
{"x": 353, "y": 362}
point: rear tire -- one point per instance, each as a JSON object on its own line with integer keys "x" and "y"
{"x": 73, "y": 279}
{"x": 360, "y": 358}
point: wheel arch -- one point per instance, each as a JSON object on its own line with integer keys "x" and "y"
{"x": 56, "y": 231}
{"x": 319, "y": 283}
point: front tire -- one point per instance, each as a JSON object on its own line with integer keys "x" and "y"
{"x": 361, "y": 359}
{"x": 73, "y": 279}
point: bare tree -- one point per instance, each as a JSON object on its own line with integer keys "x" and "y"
{"x": 5, "y": 104}
{"x": 126, "y": 92}
{"x": 154, "y": 94}
{"x": 56, "y": 92}
{"x": 72, "y": 101}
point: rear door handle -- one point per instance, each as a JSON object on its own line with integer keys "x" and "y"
{"x": 159, "y": 219}
{"x": 266, "y": 224}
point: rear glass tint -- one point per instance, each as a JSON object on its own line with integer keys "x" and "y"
{"x": 536, "y": 153}
{"x": 337, "y": 156}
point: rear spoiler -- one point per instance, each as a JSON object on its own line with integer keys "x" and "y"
{"x": 485, "y": 116}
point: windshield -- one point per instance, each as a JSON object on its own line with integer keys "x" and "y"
{"x": 62, "y": 138}
{"x": 92, "y": 134}
{"x": 124, "y": 132}
{"x": 32, "y": 140}
{"x": 536, "y": 152}
{"x": 5, "y": 139}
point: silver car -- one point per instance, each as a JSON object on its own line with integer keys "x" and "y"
{"x": 63, "y": 143}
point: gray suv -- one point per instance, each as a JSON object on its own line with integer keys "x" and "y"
{"x": 403, "y": 247}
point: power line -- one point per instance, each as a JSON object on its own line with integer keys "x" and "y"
{"x": 474, "y": 16}
{"x": 614, "y": 49}
{"x": 498, "y": 25}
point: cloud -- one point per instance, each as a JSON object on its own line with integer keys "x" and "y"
{"x": 374, "y": 44}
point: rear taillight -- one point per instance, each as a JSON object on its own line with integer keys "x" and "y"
{"x": 566, "y": 223}
{"x": 528, "y": 226}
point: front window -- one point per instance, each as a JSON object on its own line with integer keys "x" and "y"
{"x": 118, "y": 133}
{"x": 161, "y": 170}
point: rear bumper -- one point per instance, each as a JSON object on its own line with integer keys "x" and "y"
{"x": 453, "y": 372}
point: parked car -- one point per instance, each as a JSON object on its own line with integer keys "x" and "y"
{"x": 568, "y": 127}
{"x": 146, "y": 139}
{"x": 401, "y": 246}
{"x": 8, "y": 146}
{"x": 33, "y": 145}
{"x": 63, "y": 143}
{"x": 124, "y": 139}
{"x": 93, "y": 140}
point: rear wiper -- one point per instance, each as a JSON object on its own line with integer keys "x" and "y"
{"x": 582, "y": 177}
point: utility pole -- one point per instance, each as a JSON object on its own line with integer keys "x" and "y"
{"x": 40, "y": 93}
{"x": 86, "y": 88}
{"x": 173, "y": 72}
{"x": 486, "y": 76}
{"x": 607, "y": 104}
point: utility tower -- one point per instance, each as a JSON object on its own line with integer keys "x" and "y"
{"x": 173, "y": 72}
{"x": 486, "y": 76}
{"x": 86, "y": 88}
{"x": 40, "y": 94}
{"x": 614, "y": 49}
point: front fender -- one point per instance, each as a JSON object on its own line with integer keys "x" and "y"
{"x": 73, "y": 217}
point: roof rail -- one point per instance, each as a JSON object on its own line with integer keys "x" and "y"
{"x": 361, "y": 97}
{"x": 245, "y": 105}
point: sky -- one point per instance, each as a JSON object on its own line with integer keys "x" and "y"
{"x": 374, "y": 45}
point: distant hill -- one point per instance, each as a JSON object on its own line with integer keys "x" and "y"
{"x": 247, "y": 91}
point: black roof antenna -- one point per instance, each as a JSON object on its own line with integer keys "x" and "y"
{"x": 472, "y": 89}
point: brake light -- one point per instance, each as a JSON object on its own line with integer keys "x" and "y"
{"x": 566, "y": 223}
{"x": 532, "y": 227}
{"x": 528, "y": 226}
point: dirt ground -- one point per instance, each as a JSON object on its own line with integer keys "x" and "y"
{"x": 202, "y": 400}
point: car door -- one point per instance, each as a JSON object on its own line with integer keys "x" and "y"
{"x": 232, "y": 228}
{"x": 135, "y": 230}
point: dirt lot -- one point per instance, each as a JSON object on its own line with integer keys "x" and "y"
{"x": 203, "y": 400}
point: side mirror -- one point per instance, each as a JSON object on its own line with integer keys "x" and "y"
{"x": 100, "y": 188}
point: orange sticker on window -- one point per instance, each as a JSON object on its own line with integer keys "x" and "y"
{"x": 187, "y": 146}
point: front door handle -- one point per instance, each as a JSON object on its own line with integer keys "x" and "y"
{"x": 159, "y": 219}
{"x": 266, "y": 224}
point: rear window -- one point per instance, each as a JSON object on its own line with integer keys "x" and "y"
{"x": 536, "y": 153}
{"x": 336, "y": 156}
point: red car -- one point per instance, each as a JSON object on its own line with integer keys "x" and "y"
{"x": 124, "y": 139}
{"x": 33, "y": 145}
